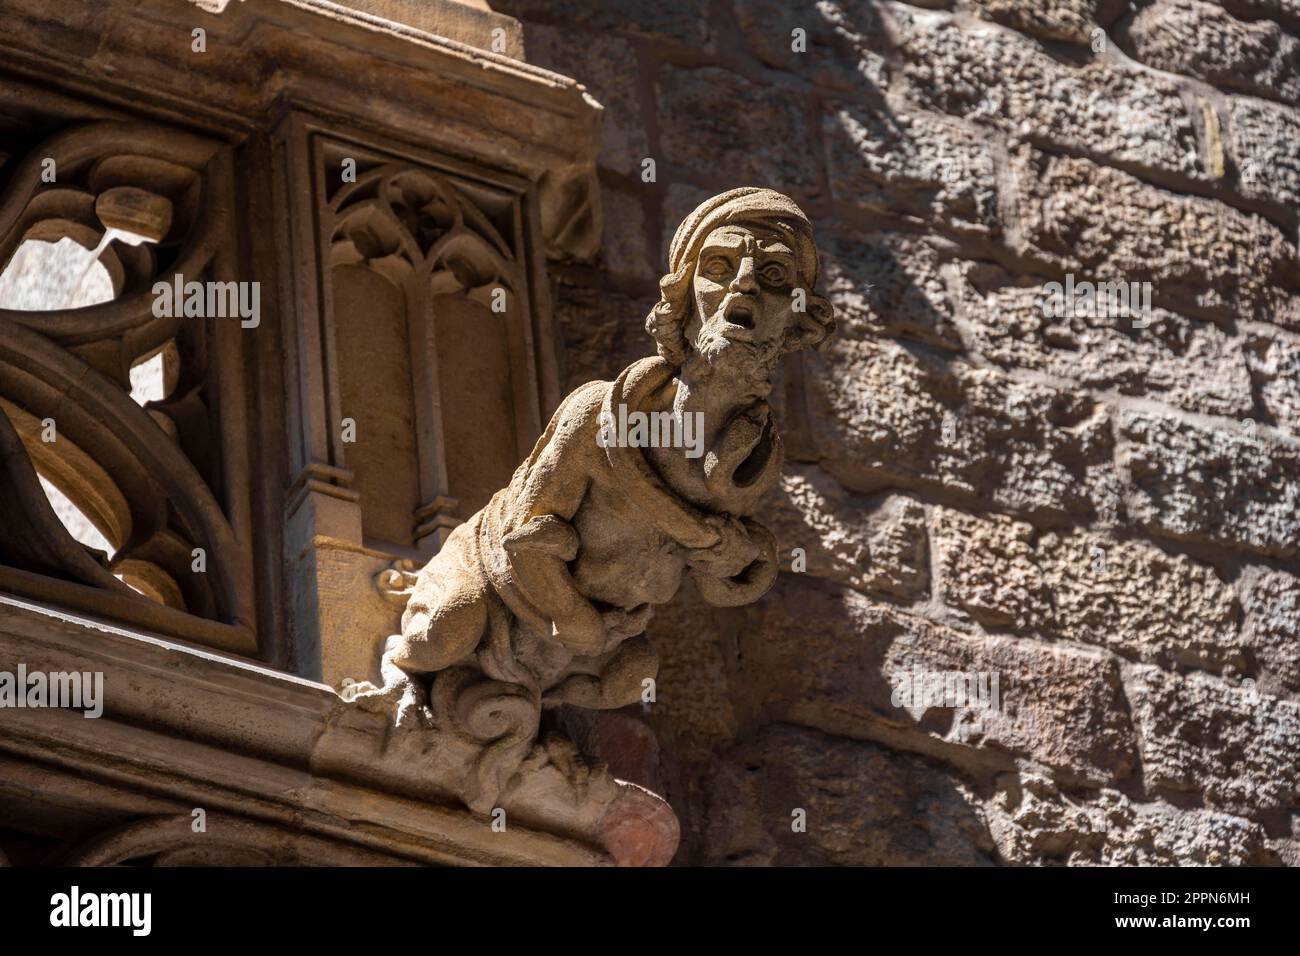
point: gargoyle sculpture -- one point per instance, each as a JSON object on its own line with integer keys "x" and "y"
{"x": 542, "y": 598}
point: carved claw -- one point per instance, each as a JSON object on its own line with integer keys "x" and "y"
{"x": 402, "y": 698}
{"x": 396, "y": 582}
{"x": 352, "y": 691}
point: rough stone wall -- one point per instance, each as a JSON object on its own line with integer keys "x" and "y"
{"x": 1104, "y": 512}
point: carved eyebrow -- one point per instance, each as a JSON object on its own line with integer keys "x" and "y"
{"x": 769, "y": 250}
{"x": 723, "y": 243}
{"x": 776, "y": 249}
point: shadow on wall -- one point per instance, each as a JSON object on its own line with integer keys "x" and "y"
{"x": 770, "y": 721}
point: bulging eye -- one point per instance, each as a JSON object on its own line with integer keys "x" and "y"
{"x": 773, "y": 274}
{"x": 716, "y": 268}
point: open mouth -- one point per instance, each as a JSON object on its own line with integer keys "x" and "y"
{"x": 740, "y": 313}
{"x": 743, "y": 451}
{"x": 749, "y": 470}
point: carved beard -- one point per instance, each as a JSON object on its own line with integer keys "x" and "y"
{"x": 739, "y": 360}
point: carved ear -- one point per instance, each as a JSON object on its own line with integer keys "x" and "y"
{"x": 667, "y": 325}
{"x": 812, "y": 327}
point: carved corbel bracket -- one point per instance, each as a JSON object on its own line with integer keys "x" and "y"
{"x": 556, "y": 789}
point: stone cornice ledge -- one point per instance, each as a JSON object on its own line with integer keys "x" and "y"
{"x": 186, "y": 728}
{"x": 263, "y": 56}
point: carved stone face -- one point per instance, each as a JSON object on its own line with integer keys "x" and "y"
{"x": 742, "y": 295}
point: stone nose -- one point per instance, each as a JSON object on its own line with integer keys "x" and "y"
{"x": 744, "y": 280}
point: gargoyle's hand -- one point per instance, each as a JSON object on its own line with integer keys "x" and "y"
{"x": 742, "y": 572}
{"x": 623, "y": 624}
{"x": 621, "y": 681}
{"x": 545, "y": 534}
{"x": 539, "y": 552}
{"x": 734, "y": 551}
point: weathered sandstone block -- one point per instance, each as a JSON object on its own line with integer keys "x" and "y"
{"x": 594, "y": 347}
{"x": 743, "y": 149}
{"x": 874, "y": 546}
{"x": 685, "y": 23}
{"x": 832, "y": 54}
{"x": 599, "y": 61}
{"x": 1059, "y": 706}
{"x": 885, "y": 415}
{"x": 925, "y": 166}
{"x": 1127, "y": 596}
{"x": 1235, "y": 746}
{"x": 1286, "y": 12}
{"x": 1162, "y": 355}
{"x": 760, "y": 787}
{"x": 1203, "y": 40}
{"x": 1263, "y": 142}
{"x": 1236, "y": 486}
{"x": 1071, "y": 20}
{"x": 1274, "y": 361}
{"x": 1100, "y": 109}
{"x": 625, "y": 245}
{"x": 889, "y": 284}
{"x": 1033, "y": 823}
{"x": 829, "y": 658}
{"x": 1271, "y": 600}
{"x": 1200, "y": 255}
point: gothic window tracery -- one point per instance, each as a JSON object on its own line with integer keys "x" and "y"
{"x": 110, "y": 444}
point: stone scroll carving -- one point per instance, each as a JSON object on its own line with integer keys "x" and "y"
{"x": 541, "y": 599}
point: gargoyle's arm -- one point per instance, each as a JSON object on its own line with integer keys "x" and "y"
{"x": 542, "y": 541}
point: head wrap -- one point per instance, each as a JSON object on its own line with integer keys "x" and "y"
{"x": 751, "y": 205}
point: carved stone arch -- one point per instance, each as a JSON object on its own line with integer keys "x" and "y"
{"x": 169, "y": 505}
{"x": 32, "y": 537}
{"x": 399, "y": 208}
